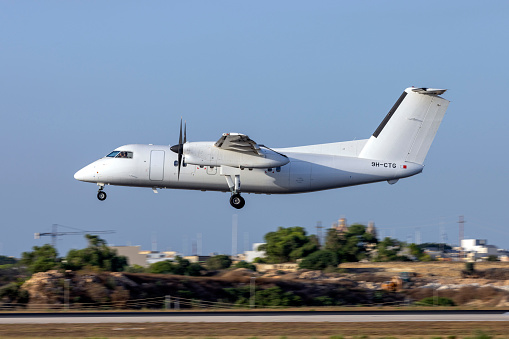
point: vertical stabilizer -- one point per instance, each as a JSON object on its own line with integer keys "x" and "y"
{"x": 409, "y": 128}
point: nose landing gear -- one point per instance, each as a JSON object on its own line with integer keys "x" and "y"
{"x": 101, "y": 195}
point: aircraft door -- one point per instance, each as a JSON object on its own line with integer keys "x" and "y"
{"x": 156, "y": 165}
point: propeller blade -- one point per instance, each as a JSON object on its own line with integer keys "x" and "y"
{"x": 180, "y": 136}
{"x": 180, "y": 150}
{"x": 180, "y": 163}
{"x": 185, "y": 125}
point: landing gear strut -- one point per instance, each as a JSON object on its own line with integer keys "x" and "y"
{"x": 233, "y": 182}
{"x": 237, "y": 201}
{"x": 101, "y": 195}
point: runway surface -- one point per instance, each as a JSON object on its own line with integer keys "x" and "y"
{"x": 233, "y": 317}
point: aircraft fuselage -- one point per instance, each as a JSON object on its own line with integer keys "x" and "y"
{"x": 155, "y": 166}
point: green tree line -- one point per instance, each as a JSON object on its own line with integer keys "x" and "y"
{"x": 356, "y": 243}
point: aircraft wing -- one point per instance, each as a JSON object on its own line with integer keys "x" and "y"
{"x": 239, "y": 143}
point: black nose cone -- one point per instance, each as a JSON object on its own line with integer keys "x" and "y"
{"x": 175, "y": 148}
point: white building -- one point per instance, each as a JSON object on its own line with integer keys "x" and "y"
{"x": 156, "y": 256}
{"x": 249, "y": 256}
{"x": 478, "y": 248}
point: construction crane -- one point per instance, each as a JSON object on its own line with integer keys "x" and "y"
{"x": 54, "y": 234}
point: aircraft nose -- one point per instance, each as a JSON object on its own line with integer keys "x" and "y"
{"x": 84, "y": 174}
{"x": 80, "y": 175}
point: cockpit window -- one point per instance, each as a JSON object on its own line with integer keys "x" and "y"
{"x": 120, "y": 154}
{"x": 112, "y": 154}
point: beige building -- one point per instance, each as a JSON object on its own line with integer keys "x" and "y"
{"x": 133, "y": 254}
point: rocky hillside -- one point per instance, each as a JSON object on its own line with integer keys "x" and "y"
{"x": 360, "y": 285}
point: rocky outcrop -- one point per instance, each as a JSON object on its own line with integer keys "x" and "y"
{"x": 54, "y": 287}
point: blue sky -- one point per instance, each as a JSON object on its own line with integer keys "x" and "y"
{"x": 78, "y": 79}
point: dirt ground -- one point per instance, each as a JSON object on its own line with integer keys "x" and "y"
{"x": 458, "y": 330}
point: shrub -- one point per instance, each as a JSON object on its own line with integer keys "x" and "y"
{"x": 218, "y": 262}
{"x": 243, "y": 264}
{"x": 440, "y": 301}
{"x": 324, "y": 301}
{"x": 135, "y": 269}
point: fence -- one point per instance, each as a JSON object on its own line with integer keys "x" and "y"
{"x": 159, "y": 303}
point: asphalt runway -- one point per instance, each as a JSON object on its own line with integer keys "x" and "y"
{"x": 263, "y": 317}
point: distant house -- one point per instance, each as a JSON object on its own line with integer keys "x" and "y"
{"x": 135, "y": 256}
{"x": 197, "y": 258}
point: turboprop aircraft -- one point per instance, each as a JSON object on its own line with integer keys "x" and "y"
{"x": 396, "y": 150}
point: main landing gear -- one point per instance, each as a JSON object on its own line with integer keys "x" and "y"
{"x": 233, "y": 182}
{"x": 237, "y": 201}
{"x": 101, "y": 195}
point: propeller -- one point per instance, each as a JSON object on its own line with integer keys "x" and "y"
{"x": 179, "y": 149}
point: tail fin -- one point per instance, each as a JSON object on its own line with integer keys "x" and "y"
{"x": 409, "y": 128}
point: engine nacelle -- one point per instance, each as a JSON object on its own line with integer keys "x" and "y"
{"x": 206, "y": 154}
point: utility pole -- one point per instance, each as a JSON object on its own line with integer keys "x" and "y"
{"x": 235, "y": 224}
{"x": 319, "y": 228}
{"x": 199, "y": 240}
{"x": 461, "y": 223}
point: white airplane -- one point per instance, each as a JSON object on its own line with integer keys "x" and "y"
{"x": 396, "y": 150}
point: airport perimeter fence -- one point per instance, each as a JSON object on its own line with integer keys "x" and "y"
{"x": 169, "y": 303}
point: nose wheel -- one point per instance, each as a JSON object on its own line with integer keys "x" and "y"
{"x": 237, "y": 201}
{"x": 101, "y": 195}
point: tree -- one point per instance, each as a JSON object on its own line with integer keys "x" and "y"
{"x": 218, "y": 262}
{"x": 352, "y": 245}
{"x": 161, "y": 267}
{"x": 288, "y": 245}
{"x": 97, "y": 254}
{"x": 7, "y": 260}
{"x": 418, "y": 253}
{"x": 438, "y": 246}
{"x": 320, "y": 260}
{"x": 180, "y": 266}
{"x": 388, "y": 250}
{"x": 41, "y": 259}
